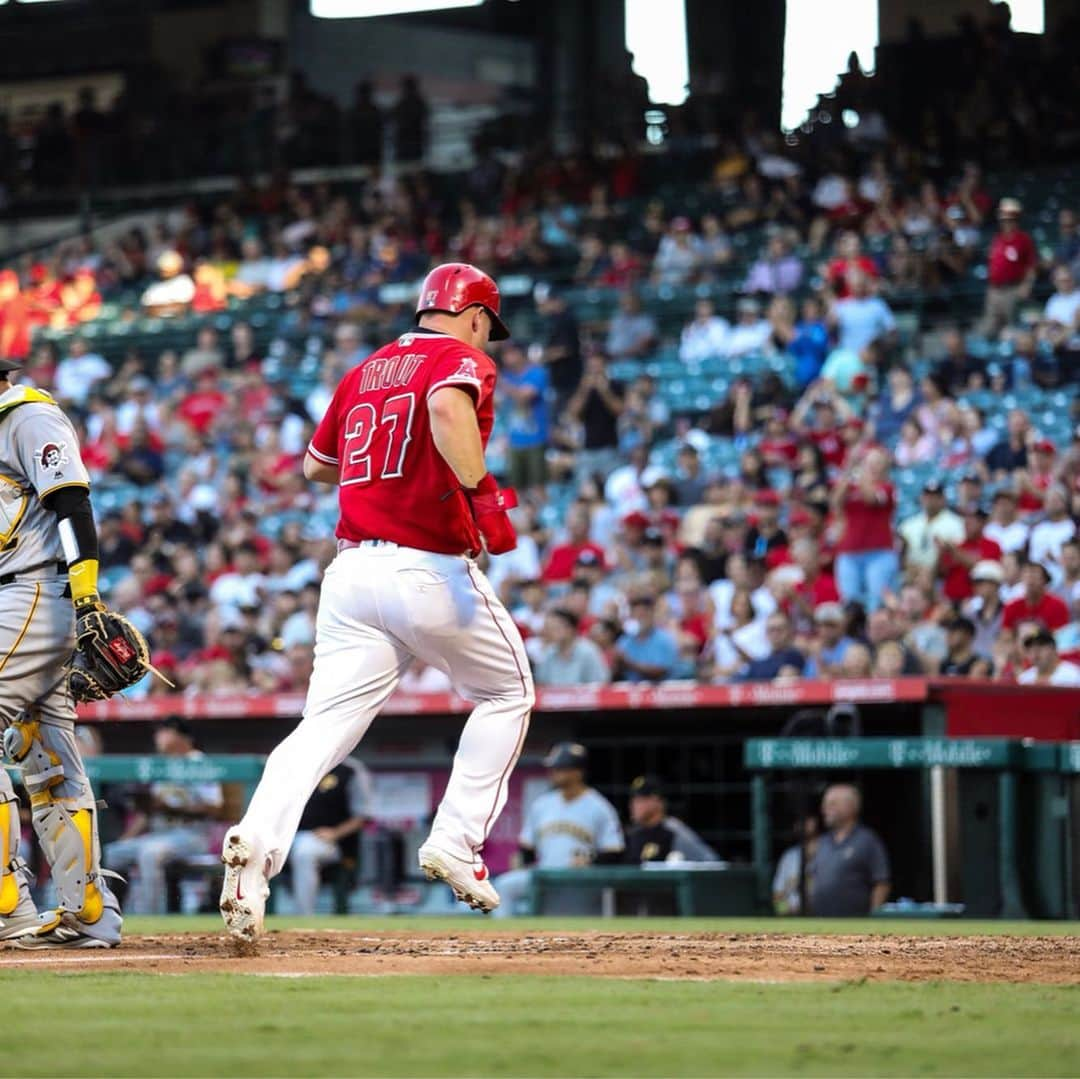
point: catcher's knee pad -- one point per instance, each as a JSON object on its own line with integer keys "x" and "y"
{"x": 66, "y": 827}
{"x": 12, "y": 867}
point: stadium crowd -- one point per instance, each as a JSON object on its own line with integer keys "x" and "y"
{"x": 643, "y": 555}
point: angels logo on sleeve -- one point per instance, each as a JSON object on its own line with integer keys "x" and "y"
{"x": 467, "y": 369}
{"x": 53, "y": 455}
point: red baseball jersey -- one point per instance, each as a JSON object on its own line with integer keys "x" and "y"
{"x": 394, "y": 484}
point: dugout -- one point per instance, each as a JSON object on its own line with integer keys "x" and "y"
{"x": 693, "y": 736}
{"x": 1003, "y": 813}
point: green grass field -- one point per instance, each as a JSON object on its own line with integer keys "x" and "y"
{"x": 146, "y": 1024}
{"x": 211, "y": 923}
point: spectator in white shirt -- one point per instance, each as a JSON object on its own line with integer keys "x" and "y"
{"x": 529, "y": 614}
{"x": 830, "y": 191}
{"x": 1048, "y": 668}
{"x": 241, "y": 586}
{"x": 1005, "y": 528}
{"x": 926, "y": 532}
{"x": 705, "y": 337}
{"x": 79, "y": 371}
{"x": 740, "y": 578}
{"x": 318, "y": 400}
{"x": 520, "y": 564}
{"x": 1061, "y": 316}
{"x": 174, "y": 291}
{"x": 1068, "y": 587}
{"x": 1052, "y": 532}
{"x": 139, "y": 406}
{"x": 751, "y": 332}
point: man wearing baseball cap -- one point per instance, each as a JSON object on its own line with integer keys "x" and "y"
{"x": 1036, "y": 604}
{"x": 656, "y": 836}
{"x": 570, "y": 826}
{"x": 957, "y": 559}
{"x": 1056, "y": 528}
{"x": 984, "y": 608}
{"x": 961, "y": 659}
{"x": 1005, "y": 527}
{"x": 830, "y": 642}
{"x": 934, "y": 528}
{"x": 176, "y": 822}
{"x": 1011, "y": 269}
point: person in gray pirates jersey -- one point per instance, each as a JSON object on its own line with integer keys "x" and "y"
{"x": 570, "y": 826}
{"x": 48, "y": 561}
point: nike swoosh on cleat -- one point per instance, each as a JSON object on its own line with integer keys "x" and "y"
{"x": 480, "y": 874}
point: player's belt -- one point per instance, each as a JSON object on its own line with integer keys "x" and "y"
{"x": 348, "y": 545}
{"x": 11, "y": 578}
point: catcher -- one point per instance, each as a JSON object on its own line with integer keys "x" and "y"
{"x": 58, "y": 646}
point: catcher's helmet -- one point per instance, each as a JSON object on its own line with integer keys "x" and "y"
{"x": 454, "y": 286}
{"x": 567, "y": 755}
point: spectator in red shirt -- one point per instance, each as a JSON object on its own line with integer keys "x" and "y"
{"x": 866, "y": 561}
{"x": 199, "y": 408}
{"x": 956, "y": 560}
{"x": 1012, "y": 265}
{"x": 14, "y": 318}
{"x": 849, "y": 257}
{"x": 818, "y": 586}
{"x": 970, "y": 196}
{"x": 1036, "y": 604}
{"x": 1036, "y": 480}
{"x": 561, "y": 562}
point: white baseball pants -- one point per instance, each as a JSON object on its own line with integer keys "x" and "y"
{"x": 380, "y": 606}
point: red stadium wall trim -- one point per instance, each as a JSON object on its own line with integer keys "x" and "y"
{"x": 972, "y": 707}
{"x": 629, "y": 696}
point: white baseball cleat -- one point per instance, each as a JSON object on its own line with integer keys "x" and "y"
{"x": 245, "y": 890}
{"x": 469, "y": 883}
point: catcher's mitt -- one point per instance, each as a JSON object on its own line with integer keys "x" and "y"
{"x": 110, "y": 655}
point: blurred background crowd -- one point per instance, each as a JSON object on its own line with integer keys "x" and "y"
{"x": 776, "y": 408}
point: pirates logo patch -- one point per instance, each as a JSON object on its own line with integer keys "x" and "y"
{"x": 53, "y": 455}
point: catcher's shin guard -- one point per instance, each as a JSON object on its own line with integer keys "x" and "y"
{"x": 15, "y": 902}
{"x": 66, "y": 824}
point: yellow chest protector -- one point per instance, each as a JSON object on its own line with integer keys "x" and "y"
{"x": 23, "y": 395}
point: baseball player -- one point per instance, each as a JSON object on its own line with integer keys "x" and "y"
{"x": 656, "y": 836}
{"x": 570, "y": 826}
{"x": 51, "y": 656}
{"x": 404, "y": 440}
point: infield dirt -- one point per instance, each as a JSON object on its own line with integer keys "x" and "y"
{"x": 720, "y": 956}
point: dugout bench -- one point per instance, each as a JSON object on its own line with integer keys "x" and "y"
{"x": 700, "y": 889}
{"x": 1033, "y": 786}
{"x": 238, "y": 775}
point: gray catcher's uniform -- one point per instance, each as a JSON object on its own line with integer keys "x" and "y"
{"x": 39, "y": 454}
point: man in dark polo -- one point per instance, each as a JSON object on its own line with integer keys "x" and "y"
{"x": 656, "y": 836}
{"x": 851, "y": 866}
{"x": 329, "y": 830}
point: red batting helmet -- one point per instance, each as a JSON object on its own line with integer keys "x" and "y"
{"x": 454, "y": 286}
